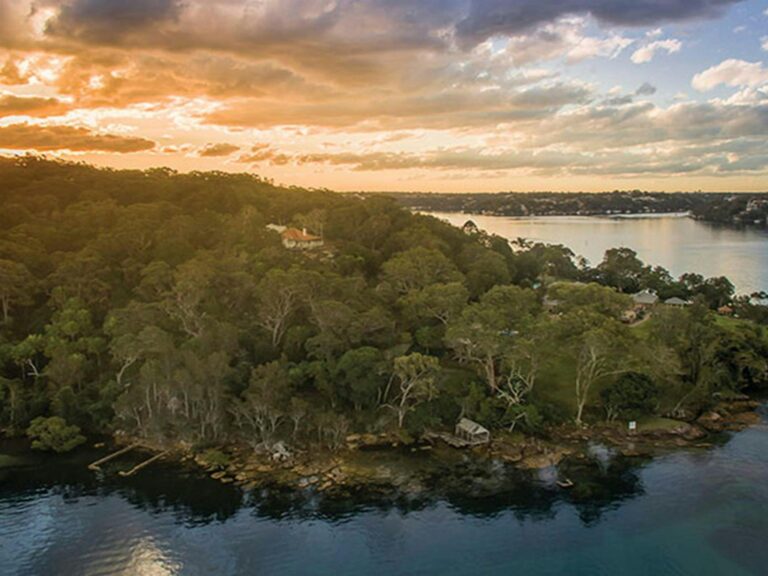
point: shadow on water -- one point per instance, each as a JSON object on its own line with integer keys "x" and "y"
{"x": 474, "y": 488}
{"x": 481, "y": 490}
{"x": 167, "y": 487}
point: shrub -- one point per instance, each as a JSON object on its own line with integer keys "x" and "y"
{"x": 215, "y": 459}
{"x": 632, "y": 395}
{"x": 54, "y": 434}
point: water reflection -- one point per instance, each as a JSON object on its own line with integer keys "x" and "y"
{"x": 688, "y": 513}
{"x": 190, "y": 496}
{"x": 148, "y": 559}
{"x": 481, "y": 489}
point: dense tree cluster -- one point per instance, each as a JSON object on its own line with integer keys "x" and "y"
{"x": 160, "y": 304}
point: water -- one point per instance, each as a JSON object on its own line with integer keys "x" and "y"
{"x": 675, "y": 242}
{"x": 688, "y": 513}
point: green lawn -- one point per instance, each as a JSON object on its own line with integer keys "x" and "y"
{"x": 657, "y": 423}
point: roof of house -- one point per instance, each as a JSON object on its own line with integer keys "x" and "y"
{"x": 471, "y": 427}
{"x": 299, "y": 236}
{"x": 645, "y": 297}
{"x": 470, "y": 226}
{"x": 675, "y": 301}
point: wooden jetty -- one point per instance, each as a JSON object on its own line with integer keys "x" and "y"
{"x": 147, "y": 462}
{"x": 96, "y": 465}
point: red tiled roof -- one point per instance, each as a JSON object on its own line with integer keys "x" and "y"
{"x": 299, "y": 236}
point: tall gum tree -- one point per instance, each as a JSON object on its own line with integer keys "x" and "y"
{"x": 486, "y": 330}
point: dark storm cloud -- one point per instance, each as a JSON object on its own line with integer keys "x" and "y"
{"x": 108, "y": 20}
{"x": 490, "y": 17}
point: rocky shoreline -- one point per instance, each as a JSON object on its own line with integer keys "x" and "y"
{"x": 384, "y": 463}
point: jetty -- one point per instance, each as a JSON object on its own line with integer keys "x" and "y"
{"x": 97, "y": 464}
{"x": 144, "y": 464}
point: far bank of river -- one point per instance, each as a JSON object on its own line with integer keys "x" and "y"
{"x": 674, "y": 241}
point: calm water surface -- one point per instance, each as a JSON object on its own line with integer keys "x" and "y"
{"x": 675, "y": 242}
{"x": 698, "y": 513}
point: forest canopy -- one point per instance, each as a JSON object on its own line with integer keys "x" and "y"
{"x": 160, "y": 305}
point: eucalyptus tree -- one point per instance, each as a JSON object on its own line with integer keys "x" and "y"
{"x": 414, "y": 383}
{"x": 486, "y": 330}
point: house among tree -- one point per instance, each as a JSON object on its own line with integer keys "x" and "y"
{"x": 676, "y": 302}
{"x": 472, "y": 432}
{"x": 470, "y": 228}
{"x": 725, "y": 310}
{"x": 295, "y": 239}
{"x": 645, "y": 299}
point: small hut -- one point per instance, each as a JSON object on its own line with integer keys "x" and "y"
{"x": 472, "y": 432}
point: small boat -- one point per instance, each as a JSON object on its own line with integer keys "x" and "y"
{"x": 567, "y": 483}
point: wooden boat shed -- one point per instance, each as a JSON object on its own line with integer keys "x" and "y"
{"x": 472, "y": 432}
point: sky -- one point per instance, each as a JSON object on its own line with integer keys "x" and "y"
{"x": 397, "y": 95}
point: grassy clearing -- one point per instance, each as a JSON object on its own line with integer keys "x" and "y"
{"x": 657, "y": 424}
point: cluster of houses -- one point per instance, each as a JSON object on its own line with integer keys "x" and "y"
{"x": 644, "y": 300}
{"x": 642, "y": 303}
{"x": 295, "y": 239}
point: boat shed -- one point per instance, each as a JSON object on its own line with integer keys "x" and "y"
{"x": 472, "y": 432}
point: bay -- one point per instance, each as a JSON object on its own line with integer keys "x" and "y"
{"x": 674, "y": 241}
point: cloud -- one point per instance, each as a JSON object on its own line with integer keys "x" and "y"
{"x": 481, "y": 83}
{"x": 220, "y": 149}
{"x": 264, "y": 153}
{"x": 75, "y": 139}
{"x": 764, "y": 44}
{"x": 732, "y": 72}
{"x": 450, "y": 159}
{"x": 646, "y": 89}
{"x": 566, "y": 38}
{"x": 619, "y": 100}
{"x": 12, "y": 105}
{"x": 109, "y": 21}
{"x": 314, "y": 34}
{"x": 457, "y": 108}
{"x": 648, "y": 52}
{"x": 714, "y": 159}
{"x": 643, "y": 128}
{"x": 487, "y": 18}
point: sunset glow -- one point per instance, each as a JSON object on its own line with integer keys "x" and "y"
{"x": 436, "y": 95}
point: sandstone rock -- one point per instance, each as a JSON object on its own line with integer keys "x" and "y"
{"x": 694, "y": 433}
{"x": 711, "y": 421}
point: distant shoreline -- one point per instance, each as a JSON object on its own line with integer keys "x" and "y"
{"x": 748, "y": 209}
{"x": 612, "y": 216}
